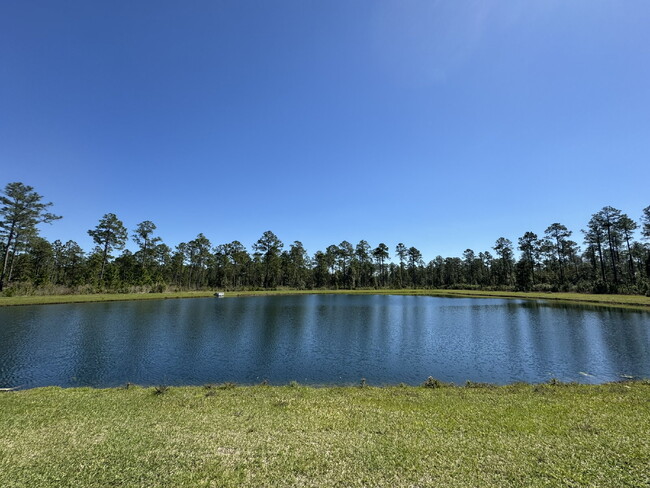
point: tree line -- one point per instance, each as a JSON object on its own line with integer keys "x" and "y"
{"x": 611, "y": 260}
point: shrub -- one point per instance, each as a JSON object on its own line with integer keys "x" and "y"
{"x": 431, "y": 382}
{"x": 158, "y": 288}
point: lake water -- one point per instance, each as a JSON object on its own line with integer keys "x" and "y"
{"x": 319, "y": 339}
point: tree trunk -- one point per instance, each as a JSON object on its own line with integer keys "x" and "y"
{"x": 612, "y": 253}
{"x": 6, "y": 256}
{"x": 600, "y": 258}
{"x": 13, "y": 259}
{"x": 629, "y": 256}
{"x": 104, "y": 254}
{"x": 559, "y": 260}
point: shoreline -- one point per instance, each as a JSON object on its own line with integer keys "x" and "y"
{"x": 429, "y": 384}
{"x": 637, "y": 302}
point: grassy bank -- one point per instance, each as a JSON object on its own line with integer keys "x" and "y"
{"x": 635, "y": 301}
{"x": 519, "y": 435}
{"x": 99, "y": 297}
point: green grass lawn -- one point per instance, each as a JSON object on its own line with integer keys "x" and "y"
{"x": 635, "y": 301}
{"x": 519, "y": 435}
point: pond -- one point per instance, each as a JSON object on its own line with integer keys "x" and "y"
{"x": 319, "y": 339}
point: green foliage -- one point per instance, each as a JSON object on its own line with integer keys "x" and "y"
{"x": 269, "y": 247}
{"x": 21, "y": 210}
{"x": 109, "y": 234}
{"x": 612, "y": 261}
{"x": 645, "y": 223}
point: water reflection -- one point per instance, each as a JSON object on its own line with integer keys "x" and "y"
{"x": 320, "y": 339}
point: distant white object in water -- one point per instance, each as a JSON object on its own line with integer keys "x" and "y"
{"x": 220, "y": 294}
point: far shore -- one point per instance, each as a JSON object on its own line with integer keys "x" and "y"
{"x": 626, "y": 301}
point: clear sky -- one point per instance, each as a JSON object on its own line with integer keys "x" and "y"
{"x": 440, "y": 124}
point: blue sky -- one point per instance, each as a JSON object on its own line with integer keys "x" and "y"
{"x": 440, "y": 124}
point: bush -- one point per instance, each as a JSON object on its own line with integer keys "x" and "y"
{"x": 599, "y": 288}
{"x": 542, "y": 288}
{"x": 19, "y": 289}
{"x": 158, "y": 288}
{"x": 431, "y": 382}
